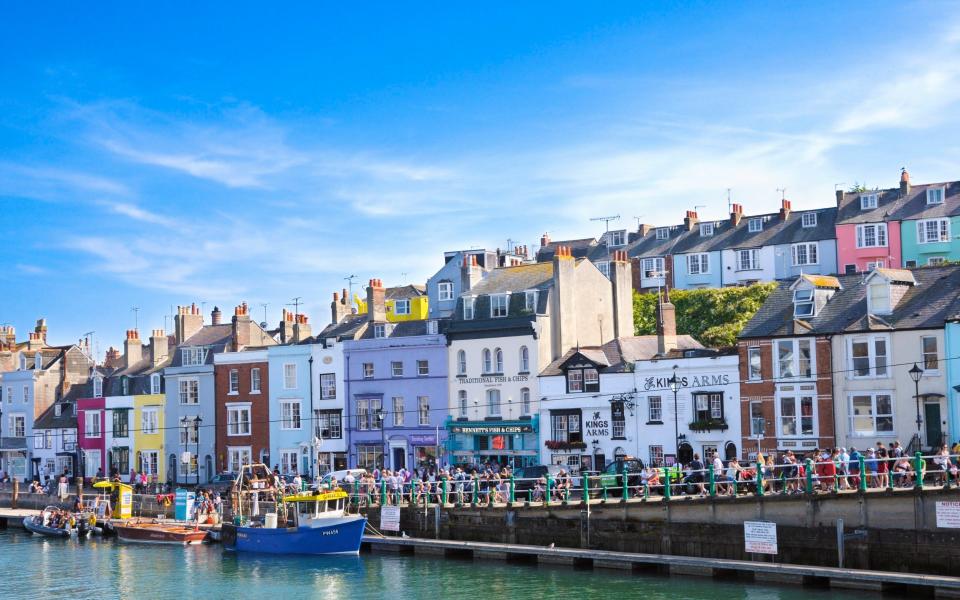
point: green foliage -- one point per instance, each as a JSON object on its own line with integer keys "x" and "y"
{"x": 715, "y": 317}
{"x": 857, "y": 188}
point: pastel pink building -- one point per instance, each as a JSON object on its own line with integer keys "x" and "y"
{"x": 867, "y": 236}
{"x": 91, "y": 436}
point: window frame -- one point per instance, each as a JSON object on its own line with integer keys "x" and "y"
{"x": 462, "y": 402}
{"x": 423, "y": 368}
{"x": 935, "y": 369}
{"x": 149, "y": 420}
{"x": 462, "y": 362}
{"x": 524, "y": 359}
{"x": 808, "y": 220}
{"x": 396, "y": 368}
{"x": 368, "y": 373}
{"x": 235, "y": 422}
{"x": 942, "y": 195}
{"x": 656, "y": 270}
{"x": 399, "y": 410}
{"x": 798, "y": 394}
{"x": 234, "y": 382}
{"x": 530, "y": 299}
{"x": 754, "y": 225}
{"x": 445, "y": 291}
{"x": 706, "y": 229}
{"x": 156, "y": 384}
{"x": 494, "y": 408}
{"x": 880, "y": 237}
{"x": 663, "y": 233}
{"x": 328, "y": 386}
{"x": 256, "y": 380}
{"x": 806, "y": 247}
{"x": 469, "y": 308}
{"x": 423, "y": 410}
{"x": 754, "y": 374}
{"x": 869, "y": 201}
{"x": 293, "y": 421}
{"x": 942, "y": 228}
{"x": 655, "y": 409}
{"x": 401, "y": 307}
{"x": 753, "y": 254}
{"x": 289, "y": 376}
{"x": 334, "y": 426}
{"x": 796, "y": 362}
{"x": 701, "y": 260}
{"x": 499, "y": 303}
{"x": 184, "y": 395}
{"x": 875, "y": 415}
{"x": 875, "y": 370}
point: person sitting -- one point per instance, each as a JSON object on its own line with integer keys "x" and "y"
{"x": 734, "y": 476}
{"x": 695, "y": 476}
{"x": 902, "y": 472}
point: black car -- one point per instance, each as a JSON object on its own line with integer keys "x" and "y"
{"x": 221, "y": 482}
{"x": 525, "y": 479}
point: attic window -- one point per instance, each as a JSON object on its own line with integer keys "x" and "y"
{"x": 530, "y": 300}
{"x": 38, "y": 361}
{"x": 935, "y": 196}
{"x": 401, "y": 307}
{"x": 663, "y": 233}
{"x": 706, "y": 229}
{"x": 468, "y": 302}
{"x": 754, "y": 225}
{"x": 803, "y": 303}
{"x": 379, "y": 330}
{"x": 56, "y": 410}
{"x": 445, "y": 291}
{"x": 868, "y": 201}
{"x": 616, "y": 238}
{"x": 878, "y": 297}
{"x": 498, "y": 305}
{"x": 809, "y": 219}
{"x": 432, "y": 327}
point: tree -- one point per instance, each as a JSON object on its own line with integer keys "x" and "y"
{"x": 714, "y": 317}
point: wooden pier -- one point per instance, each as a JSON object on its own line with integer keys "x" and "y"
{"x": 882, "y": 581}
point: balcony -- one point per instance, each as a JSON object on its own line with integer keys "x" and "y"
{"x": 709, "y": 425}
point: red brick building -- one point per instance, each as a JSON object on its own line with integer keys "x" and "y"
{"x": 242, "y": 405}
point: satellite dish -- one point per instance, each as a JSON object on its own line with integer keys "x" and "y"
{"x": 263, "y": 324}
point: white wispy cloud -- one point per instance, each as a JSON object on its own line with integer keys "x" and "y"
{"x": 137, "y": 213}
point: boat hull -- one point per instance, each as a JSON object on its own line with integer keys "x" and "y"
{"x": 32, "y": 527}
{"x": 340, "y": 537}
{"x": 181, "y": 536}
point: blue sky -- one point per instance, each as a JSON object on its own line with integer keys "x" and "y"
{"x": 155, "y": 156}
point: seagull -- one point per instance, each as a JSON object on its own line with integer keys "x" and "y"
{"x": 404, "y": 535}
{"x": 551, "y": 545}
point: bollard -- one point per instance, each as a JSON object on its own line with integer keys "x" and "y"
{"x": 809, "y": 470}
{"x": 918, "y": 469}
{"x": 666, "y": 483}
{"x": 759, "y": 478}
{"x": 16, "y": 493}
{"x": 513, "y": 489}
{"x": 713, "y": 481}
{"x": 626, "y": 489}
{"x": 863, "y": 475}
{"x": 549, "y": 490}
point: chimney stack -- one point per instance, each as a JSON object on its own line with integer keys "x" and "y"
{"x": 622, "y": 279}
{"x": 41, "y": 330}
{"x": 340, "y": 307}
{"x": 35, "y": 341}
{"x": 736, "y": 214}
{"x": 241, "y": 326}
{"x": 690, "y": 221}
{"x": 8, "y": 337}
{"x": 301, "y": 328}
{"x": 904, "y": 183}
{"x": 666, "y": 315}
{"x": 470, "y": 273}
{"x": 565, "y": 336}
{"x": 112, "y": 359}
{"x": 376, "y": 302}
{"x": 159, "y": 346}
{"x": 215, "y": 316}
{"x": 187, "y": 322}
{"x": 643, "y": 229}
{"x": 839, "y": 194}
{"x": 545, "y": 239}
{"x": 784, "y": 209}
{"x": 132, "y": 349}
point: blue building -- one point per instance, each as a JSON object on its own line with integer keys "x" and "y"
{"x": 952, "y": 350}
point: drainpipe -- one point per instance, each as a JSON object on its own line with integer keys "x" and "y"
{"x": 313, "y": 426}
{"x": 348, "y": 428}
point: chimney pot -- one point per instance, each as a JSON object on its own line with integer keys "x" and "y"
{"x": 904, "y": 182}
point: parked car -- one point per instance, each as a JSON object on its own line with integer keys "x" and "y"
{"x": 222, "y": 482}
{"x": 610, "y": 479}
{"x": 340, "y": 475}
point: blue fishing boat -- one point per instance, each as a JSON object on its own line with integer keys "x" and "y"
{"x": 311, "y": 522}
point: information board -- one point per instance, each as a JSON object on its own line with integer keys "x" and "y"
{"x": 390, "y": 518}
{"x": 948, "y": 515}
{"x": 760, "y": 537}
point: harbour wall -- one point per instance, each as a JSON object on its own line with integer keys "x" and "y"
{"x": 891, "y": 531}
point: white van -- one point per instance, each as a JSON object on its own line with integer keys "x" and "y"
{"x": 340, "y": 476}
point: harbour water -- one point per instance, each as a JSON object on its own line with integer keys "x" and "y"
{"x": 33, "y": 567}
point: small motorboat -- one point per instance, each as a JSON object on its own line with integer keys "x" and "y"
{"x": 159, "y": 533}
{"x": 54, "y": 522}
{"x": 313, "y": 522}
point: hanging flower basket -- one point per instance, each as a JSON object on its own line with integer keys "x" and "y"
{"x": 561, "y": 445}
{"x": 709, "y": 425}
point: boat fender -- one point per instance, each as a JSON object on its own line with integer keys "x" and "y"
{"x": 92, "y": 520}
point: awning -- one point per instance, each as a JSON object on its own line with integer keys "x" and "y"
{"x": 70, "y": 454}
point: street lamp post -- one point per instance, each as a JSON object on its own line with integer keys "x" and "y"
{"x": 915, "y": 374}
{"x": 381, "y": 415}
{"x": 674, "y": 384}
{"x": 196, "y": 434}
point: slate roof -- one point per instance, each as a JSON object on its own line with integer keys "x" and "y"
{"x": 516, "y": 279}
{"x": 405, "y": 291}
{"x": 216, "y": 337}
{"x": 618, "y": 355}
{"x": 49, "y": 420}
{"x": 927, "y": 305}
{"x": 347, "y": 328}
{"x": 578, "y": 248}
{"x": 915, "y": 205}
{"x": 399, "y": 329}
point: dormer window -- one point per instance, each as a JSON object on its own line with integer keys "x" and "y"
{"x": 706, "y": 229}
{"x": 432, "y": 327}
{"x": 155, "y": 383}
{"x": 401, "y": 307}
{"x": 809, "y": 220}
{"x": 23, "y": 362}
{"x": 878, "y": 297}
{"x": 803, "y": 305}
{"x": 530, "y": 300}
{"x": 868, "y": 201}
{"x": 935, "y": 196}
{"x": 754, "y": 225}
{"x": 56, "y": 410}
{"x": 379, "y": 330}
{"x": 468, "y": 302}
{"x": 38, "y": 361}
{"x": 97, "y": 387}
{"x": 498, "y": 305}
{"x": 663, "y": 233}
{"x": 193, "y": 356}
{"x": 617, "y": 238}
{"x": 604, "y": 268}
{"x": 583, "y": 380}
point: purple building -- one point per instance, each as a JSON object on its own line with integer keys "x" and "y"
{"x": 396, "y": 391}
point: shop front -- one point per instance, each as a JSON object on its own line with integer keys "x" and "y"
{"x": 506, "y": 443}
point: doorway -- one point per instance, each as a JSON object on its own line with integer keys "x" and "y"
{"x": 931, "y": 422}
{"x": 599, "y": 461}
{"x": 685, "y": 452}
{"x": 399, "y": 458}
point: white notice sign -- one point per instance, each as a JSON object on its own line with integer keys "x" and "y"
{"x": 948, "y": 515}
{"x": 390, "y": 518}
{"x": 760, "y": 537}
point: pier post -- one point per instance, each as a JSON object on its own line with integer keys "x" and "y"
{"x": 809, "y": 473}
{"x": 626, "y": 489}
{"x": 666, "y": 483}
{"x": 863, "y": 474}
{"x": 759, "y": 478}
{"x": 16, "y": 493}
{"x": 443, "y": 487}
{"x": 712, "y": 480}
{"x": 918, "y": 470}
{"x": 513, "y": 489}
{"x": 546, "y": 500}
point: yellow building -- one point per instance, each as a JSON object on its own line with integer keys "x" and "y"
{"x": 148, "y": 436}
{"x": 403, "y": 303}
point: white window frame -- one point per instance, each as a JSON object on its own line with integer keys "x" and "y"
{"x": 189, "y": 388}
{"x": 875, "y": 264}
{"x": 808, "y": 249}
{"x": 462, "y": 403}
{"x": 423, "y": 368}
{"x": 17, "y": 424}
{"x": 938, "y": 196}
{"x": 653, "y": 268}
{"x": 290, "y": 376}
{"x": 530, "y": 300}
{"x": 256, "y": 380}
{"x": 461, "y": 362}
{"x": 150, "y": 463}
{"x": 808, "y": 220}
{"x": 399, "y": 411}
{"x": 525, "y": 404}
{"x": 149, "y": 420}
{"x": 423, "y": 410}
{"x": 379, "y": 330}
{"x": 925, "y": 356}
{"x": 499, "y": 303}
{"x": 234, "y": 382}
{"x": 401, "y": 307}
{"x": 798, "y": 395}
{"x": 698, "y": 264}
{"x": 487, "y": 361}
{"x": 874, "y": 415}
{"x": 655, "y": 409}
{"x": 97, "y": 388}
{"x": 368, "y": 370}
{"x": 604, "y": 267}
{"x": 445, "y": 291}
{"x": 754, "y": 371}
{"x": 753, "y": 259}
{"x": 469, "y": 305}
{"x": 494, "y": 403}
{"x": 804, "y": 305}
{"x": 941, "y": 231}
{"x": 289, "y": 461}
{"x": 396, "y": 368}
{"x": 290, "y": 419}
{"x": 498, "y": 360}
{"x": 754, "y": 225}
{"x": 875, "y": 368}
{"x": 935, "y": 261}
{"x": 795, "y": 361}
{"x": 235, "y": 458}
{"x": 706, "y": 229}
{"x": 618, "y": 238}
{"x": 869, "y": 201}
{"x": 193, "y": 356}
{"x": 236, "y": 423}
{"x": 155, "y": 383}
{"x": 663, "y": 233}
{"x": 879, "y": 232}
{"x": 328, "y": 386}
{"x": 524, "y": 359}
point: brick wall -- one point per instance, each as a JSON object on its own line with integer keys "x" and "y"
{"x": 259, "y": 438}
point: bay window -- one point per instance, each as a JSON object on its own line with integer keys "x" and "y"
{"x": 796, "y": 410}
{"x": 794, "y": 358}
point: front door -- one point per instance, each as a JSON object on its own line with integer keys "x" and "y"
{"x": 931, "y": 419}
{"x": 599, "y": 462}
{"x": 399, "y": 458}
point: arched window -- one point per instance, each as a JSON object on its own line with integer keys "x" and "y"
{"x": 155, "y": 383}
{"x": 525, "y": 402}
{"x": 493, "y": 403}
{"x": 462, "y": 362}
{"x": 462, "y": 403}
{"x": 499, "y": 357}
{"x": 524, "y": 359}
{"x": 487, "y": 361}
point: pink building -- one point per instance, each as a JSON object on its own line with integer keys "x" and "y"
{"x": 867, "y": 236}
{"x": 91, "y": 436}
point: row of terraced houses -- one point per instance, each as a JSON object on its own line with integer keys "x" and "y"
{"x": 527, "y": 356}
